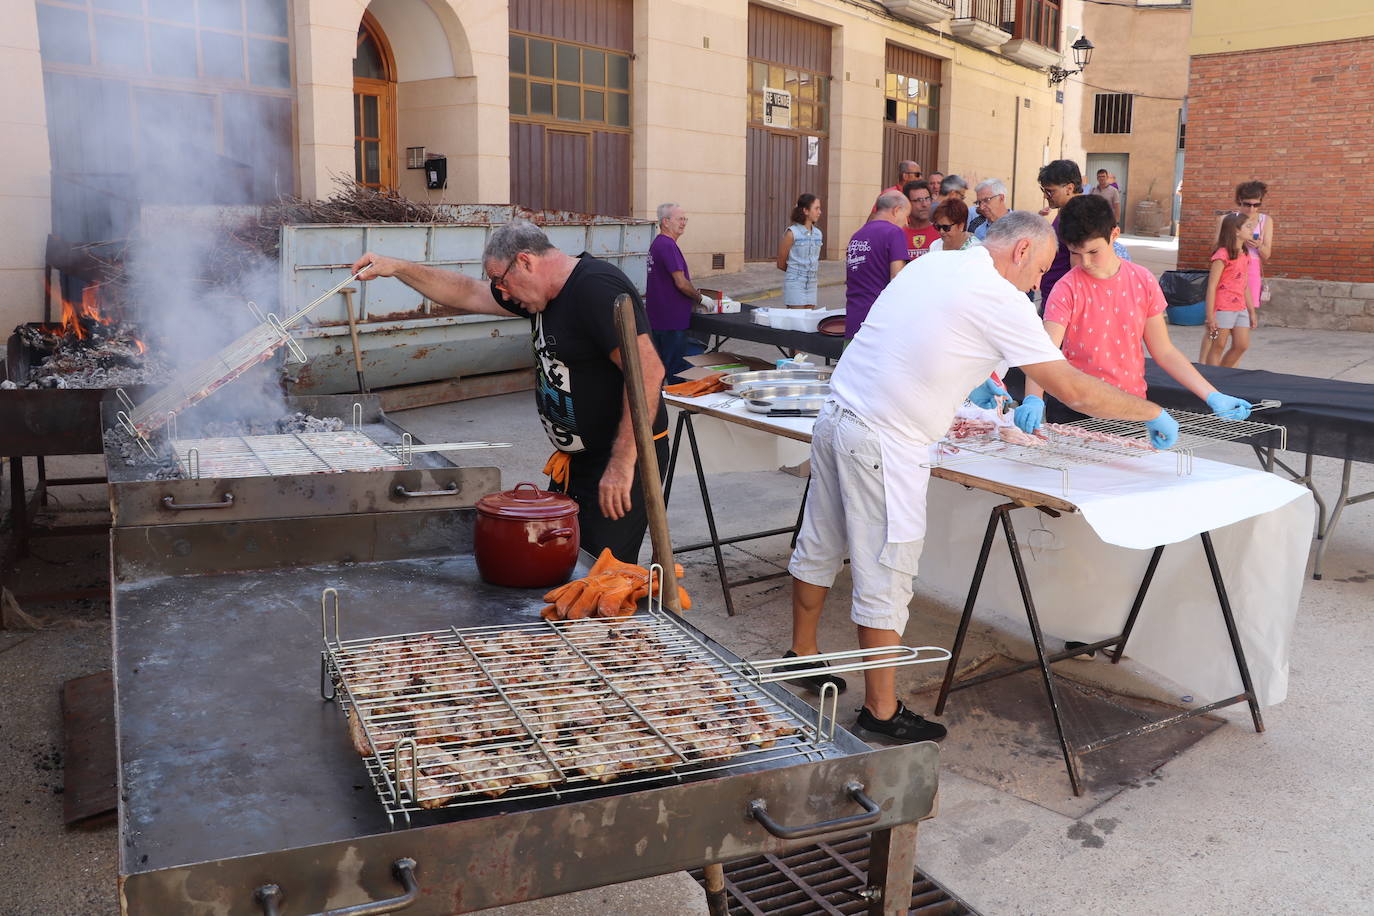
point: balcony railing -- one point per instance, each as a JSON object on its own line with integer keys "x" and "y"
{"x": 996, "y": 13}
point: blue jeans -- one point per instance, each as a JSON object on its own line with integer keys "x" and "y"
{"x": 671, "y": 345}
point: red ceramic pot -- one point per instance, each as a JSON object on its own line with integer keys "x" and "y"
{"x": 526, "y": 537}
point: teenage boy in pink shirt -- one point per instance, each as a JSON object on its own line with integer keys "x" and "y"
{"x": 1101, "y": 311}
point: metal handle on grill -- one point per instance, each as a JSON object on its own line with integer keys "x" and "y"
{"x": 758, "y": 809}
{"x": 170, "y": 502}
{"x": 269, "y": 896}
{"x": 556, "y": 533}
{"x": 768, "y": 670}
{"x": 400, "y": 490}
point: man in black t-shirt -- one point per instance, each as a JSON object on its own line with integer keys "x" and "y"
{"x": 579, "y": 388}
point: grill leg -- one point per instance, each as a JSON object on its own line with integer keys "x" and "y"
{"x": 710, "y": 518}
{"x": 1070, "y": 757}
{"x": 717, "y": 898}
{"x": 891, "y": 864}
{"x": 41, "y": 488}
{"x": 19, "y": 509}
{"x": 1139, "y": 600}
{"x": 1231, "y": 628}
{"x": 969, "y": 602}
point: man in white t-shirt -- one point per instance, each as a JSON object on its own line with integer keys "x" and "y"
{"x": 938, "y": 330}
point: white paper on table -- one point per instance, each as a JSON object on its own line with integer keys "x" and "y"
{"x": 1142, "y": 502}
{"x": 1083, "y": 588}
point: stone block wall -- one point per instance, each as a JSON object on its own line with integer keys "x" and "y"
{"x": 1319, "y": 304}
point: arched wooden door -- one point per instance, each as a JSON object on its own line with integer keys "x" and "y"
{"x": 374, "y": 108}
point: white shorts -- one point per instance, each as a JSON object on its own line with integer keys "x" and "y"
{"x": 1237, "y": 318}
{"x": 846, "y": 515}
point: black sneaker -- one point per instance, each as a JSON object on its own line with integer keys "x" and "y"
{"x": 1070, "y": 644}
{"x": 904, "y": 726}
{"x": 815, "y": 682}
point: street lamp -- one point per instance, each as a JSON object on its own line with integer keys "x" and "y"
{"x": 1082, "y": 55}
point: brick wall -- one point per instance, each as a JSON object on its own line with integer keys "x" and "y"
{"x": 1300, "y": 119}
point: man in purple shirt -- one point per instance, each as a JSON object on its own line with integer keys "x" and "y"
{"x": 875, "y": 254}
{"x": 669, "y": 292}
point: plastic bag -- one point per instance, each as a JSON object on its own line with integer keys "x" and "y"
{"x": 1184, "y": 287}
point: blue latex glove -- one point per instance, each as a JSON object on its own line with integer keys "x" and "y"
{"x": 986, "y": 394}
{"x": 1163, "y": 430}
{"x": 1227, "y": 407}
{"x": 1030, "y": 414}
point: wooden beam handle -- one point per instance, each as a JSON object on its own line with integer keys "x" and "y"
{"x": 643, "y": 422}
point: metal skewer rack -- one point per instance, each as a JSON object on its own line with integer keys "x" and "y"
{"x": 198, "y": 382}
{"x": 459, "y": 717}
{"x": 1063, "y": 451}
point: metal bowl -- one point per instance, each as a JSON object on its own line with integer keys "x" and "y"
{"x": 741, "y": 380}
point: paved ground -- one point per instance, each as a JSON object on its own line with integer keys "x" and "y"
{"x": 1240, "y": 823}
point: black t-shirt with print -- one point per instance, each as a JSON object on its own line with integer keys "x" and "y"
{"x": 578, "y": 389}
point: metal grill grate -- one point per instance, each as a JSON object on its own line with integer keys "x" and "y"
{"x": 290, "y": 453}
{"x": 821, "y": 880}
{"x": 541, "y": 708}
{"x": 1092, "y": 441}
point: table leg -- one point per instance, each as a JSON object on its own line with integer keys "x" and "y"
{"x": 1324, "y": 531}
{"x": 41, "y": 488}
{"x": 1136, "y": 605}
{"x": 672, "y": 457}
{"x": 710, "y": 517}
{"x": 891, "y": 865}
{"x": 1231, "y": 630}
{"x": 1070, "y": 757}
{"x": 801, "y": 511}
{"x": 969, "y": 602}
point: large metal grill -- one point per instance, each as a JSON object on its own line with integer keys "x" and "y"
{"x": 1092, "y": 441}
{"x": 459, "y": 717}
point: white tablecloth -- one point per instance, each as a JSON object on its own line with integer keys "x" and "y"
{"x": 1085, "y": 567}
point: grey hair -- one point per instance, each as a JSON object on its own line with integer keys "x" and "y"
{"x": 890, "y": 200}
{"x": 953, "y": 183}
{"x": 994, "y": 185}
{"x": 512, "y": 238}
{"x": 663, "y": 211}
{"x": 1018, "y": 225}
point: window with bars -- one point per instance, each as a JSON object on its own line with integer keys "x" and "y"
{"x": 1112, "y": 112}
{"x": 810, "y": 92}
{"x": 911, "y": 102}
{"x": 560, "y": 81}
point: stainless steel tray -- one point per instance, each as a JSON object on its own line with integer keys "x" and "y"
{"x": 741, "y": 380}
{"x": 797, "y": 390}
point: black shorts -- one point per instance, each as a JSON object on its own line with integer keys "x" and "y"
{"x": 624, "y": 535}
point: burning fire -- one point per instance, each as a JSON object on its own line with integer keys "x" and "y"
{"x": 80, "y": 319}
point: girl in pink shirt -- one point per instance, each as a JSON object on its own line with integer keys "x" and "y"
{"x": 1230, "y": 301}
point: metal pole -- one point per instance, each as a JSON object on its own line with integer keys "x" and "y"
{"x": 657, "y": 510}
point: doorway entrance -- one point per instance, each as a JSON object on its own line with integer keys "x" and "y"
{"x": 1117, "y": 164}
{"x": 374, "y": 108}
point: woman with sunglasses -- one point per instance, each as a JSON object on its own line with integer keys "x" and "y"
{"x": 1258, "y": 235}
{"x": 951, "y": 221}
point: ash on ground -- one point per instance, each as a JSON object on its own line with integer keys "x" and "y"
{"x": 120, "y": 445}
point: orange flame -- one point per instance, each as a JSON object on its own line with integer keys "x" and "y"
{"x": 88, "y": 309}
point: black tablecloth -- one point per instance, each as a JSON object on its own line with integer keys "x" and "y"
{"x": 740, "y": 326}
{"x": 1323, "y": 416}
